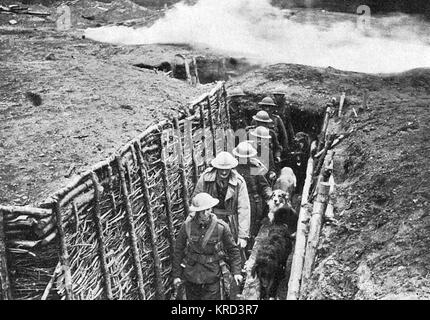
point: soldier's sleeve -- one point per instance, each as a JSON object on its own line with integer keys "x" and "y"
{"x": 231, "y": 250}
{"x": 243, "y": 210}
{"x": 179, "y": 252}
{"x": 284, "y": 134}
{"x": 264, "y": 188}
{"x": 277, "y": 149}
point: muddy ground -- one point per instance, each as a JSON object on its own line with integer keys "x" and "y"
{"x": 93, "y": 101}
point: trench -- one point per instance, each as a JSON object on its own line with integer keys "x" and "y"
{"x": 303, "y": 119}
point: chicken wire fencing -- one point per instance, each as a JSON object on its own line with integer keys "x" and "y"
{"x": 109, "y": 234}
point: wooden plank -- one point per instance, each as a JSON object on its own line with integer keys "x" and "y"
{"x": 301, "y": 235}
{"x": 314, "y": 232}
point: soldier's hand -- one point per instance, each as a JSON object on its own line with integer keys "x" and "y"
{"x": 177, "y": 281}
{"x": 238, "y": 278}
{"x": 242, "y": 243}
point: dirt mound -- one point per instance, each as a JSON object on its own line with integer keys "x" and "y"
{"x": 92, "y": 101}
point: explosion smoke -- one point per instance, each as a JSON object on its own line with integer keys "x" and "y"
{"x": 260, "y": 32}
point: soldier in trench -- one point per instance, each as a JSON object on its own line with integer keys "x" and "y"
{"x": 224, "y": 183}
{"x": 284, "y": 112}
{"x": 277, "y": 124}
{"x": 237, "y": 114}
{"x": 206, "y": 255}
{"x": 253, "y": 171}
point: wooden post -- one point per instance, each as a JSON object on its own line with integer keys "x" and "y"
{"x": 133, "y": 239}
{"x": 227, "y": 110}
{"x": 196, "y": 71}
{"x": 168, "y": 201}
{"x": 365, "y": 98}
{"x": 341, "y": 103}
{"x": 100, "y": 238}
{"x": 64, "y": 255}
{"x": 212, "y": 127}
{"x": 5, "y": 290}
{"x": 301, "y": 235}
{"x": 321, "y": 141}
{"x": 314, "y": 231}
{"x": 129, "y": 177}
{"x": 203, "y": 125}
{"x": 159, "y": 288}
{"x": 329, "y": 212}
{"x": 185, "y": 195}
{"x": 110, "y": 190}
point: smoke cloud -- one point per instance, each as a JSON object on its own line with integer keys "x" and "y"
{"x": 262, "y": 33}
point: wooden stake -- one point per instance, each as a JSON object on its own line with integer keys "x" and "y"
{"x": 110, "y": 190}
{"x": 341, "y": 103}
{"x": 301, "y": 235}
{"x": 168, "y": 202}
{"x": 159, "y": 288}
{"x": 5, "y": 289}
{"x": 185, "y": 195}
{"x": 227, "y": 110}
{"x": 212, "y": 127}
{"x": 100, "y": 238}
{"x": 132, "y": 233}
{"x": 51, "y": 282}
{"x": 321, "y": 141}
{"x": 314, "y": 232}
{"x": 203, "y": 125}
{"x": 365, "y": 97}
{"x": 196, "y": 71}
{"x": 64, "y": 255}
{"x": 129, "y": 177}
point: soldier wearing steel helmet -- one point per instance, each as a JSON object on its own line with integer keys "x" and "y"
{"x": 268, "y": 105}
{"x": 263, "y": 140}
{"x": 284, "y": 112}
{"x": 206, "y": 254}
{"x": 237, "y": 114}
{"x": 253, "y": 171}
{"x": 224, "y": 183}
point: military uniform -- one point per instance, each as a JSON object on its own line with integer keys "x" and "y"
{"x": 258, "y": 189}
{"x": 202, "y": 265}
{"x": 233, "y": 197}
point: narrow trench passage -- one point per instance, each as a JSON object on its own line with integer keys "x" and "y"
{"x": 303, "y": 120}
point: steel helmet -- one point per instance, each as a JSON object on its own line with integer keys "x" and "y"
{"x": 236, "y": 92}
{"x": 261, "y": 132}
{"x": 203, "y": 201}
{"x": 262, "y": 116}
{"x": 224, "y": 160}
{"x": 267, "y": 101}
{"x": 244, "y": 150}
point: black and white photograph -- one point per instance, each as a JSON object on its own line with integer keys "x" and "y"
{"x": 234, "y": 151}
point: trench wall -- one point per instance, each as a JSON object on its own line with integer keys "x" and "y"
{"x": 109, "y": 234}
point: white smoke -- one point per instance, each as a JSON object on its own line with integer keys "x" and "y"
{"x": 257, "y": 30}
